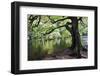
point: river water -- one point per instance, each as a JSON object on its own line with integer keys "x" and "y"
{"x": 84, "y": 41}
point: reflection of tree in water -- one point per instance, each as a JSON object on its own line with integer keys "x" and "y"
{"x": 53, "y": 34}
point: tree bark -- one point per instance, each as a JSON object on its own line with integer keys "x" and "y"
{"x": 73, "y": 40}
{"x": 75, "y": 37}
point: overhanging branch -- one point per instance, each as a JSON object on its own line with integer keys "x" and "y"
{"x": 53, "y": 21}
{"x": 81, "y": 21}
{"x": 66, "y": 25}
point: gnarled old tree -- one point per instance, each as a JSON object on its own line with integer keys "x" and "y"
{"x": 71, "y": 26}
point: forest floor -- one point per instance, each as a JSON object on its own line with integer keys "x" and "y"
{"x": 66, "y": 54}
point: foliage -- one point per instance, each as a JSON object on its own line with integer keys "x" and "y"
{"x": 47, "y": 34}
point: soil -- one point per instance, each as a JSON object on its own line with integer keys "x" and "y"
{"x": 66, "y": 54}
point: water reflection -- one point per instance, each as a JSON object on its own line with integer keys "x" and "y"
{"x": 84, "y": 40}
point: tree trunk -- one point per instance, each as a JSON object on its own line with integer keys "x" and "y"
{"x": 75, "y": 37}
{"x": 73, "y": 40}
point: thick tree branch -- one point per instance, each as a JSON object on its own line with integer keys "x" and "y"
{"x": 52, "y": 30}
{"x": 53, "y": 21}
{"x": 81, "y": 21}
{"x": 66, "y": 25}
{"x": 60, "y": 20}
{"x": 68, "y": 28}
